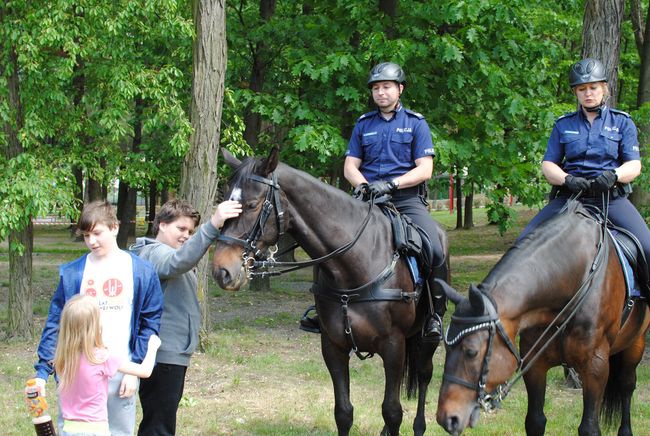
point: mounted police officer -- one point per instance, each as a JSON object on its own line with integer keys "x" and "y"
{"x": 391, "y": 152}
{"x": 594, "y": 151}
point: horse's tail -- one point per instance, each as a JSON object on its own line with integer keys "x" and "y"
{"x": 614, "y": 396}
{"x": 411, "y": 362}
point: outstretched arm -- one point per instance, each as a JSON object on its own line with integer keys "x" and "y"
{"x": 144, "y": 369}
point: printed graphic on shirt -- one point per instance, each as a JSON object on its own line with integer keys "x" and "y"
{"x": 110, "y": 283}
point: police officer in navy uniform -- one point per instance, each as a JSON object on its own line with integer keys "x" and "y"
{"x": 594, "y": 151}
{"x": 391, "y": 151}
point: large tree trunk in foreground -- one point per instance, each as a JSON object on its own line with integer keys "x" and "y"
{"x": 199, "y": 172}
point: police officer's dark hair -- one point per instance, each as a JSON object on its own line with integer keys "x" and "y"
{"x": 386, "y": 71}
{"x": 172, "y": 210}
{"x": 587, "y": 70}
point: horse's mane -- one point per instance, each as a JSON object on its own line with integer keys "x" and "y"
{"x": 548, "y": 230}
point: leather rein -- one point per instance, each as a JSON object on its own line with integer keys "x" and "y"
{"x": 272, "y": 203}
{"x": 492, "y": 323}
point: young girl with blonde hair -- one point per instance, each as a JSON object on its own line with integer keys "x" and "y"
{"x": 84, "y": 367}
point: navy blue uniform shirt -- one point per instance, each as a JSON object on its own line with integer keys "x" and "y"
{"x": 585, "y": 150}
{"x": 389, "y": 148}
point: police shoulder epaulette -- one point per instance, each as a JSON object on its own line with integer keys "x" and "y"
{"x": 568, "y": 114}
{"x": 617, "y": 111}
{"x": 366, "y": 115}
{"x": 415, "y": 114}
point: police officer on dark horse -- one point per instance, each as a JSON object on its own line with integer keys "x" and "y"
{"x": 594, "y": 152}
{"x": 391, "y": 152}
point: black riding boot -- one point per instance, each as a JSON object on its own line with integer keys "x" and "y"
{"x": 310, "y": 324}
{"x": 432, "y": 329}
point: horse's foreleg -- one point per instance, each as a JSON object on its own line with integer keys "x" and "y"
{"x": 535, "y": 380}
{"x": 392, "y": 354}
{"x": 424, "y": 371}
{"x": 338, "y": 365}
{"x": 594, "y": 376}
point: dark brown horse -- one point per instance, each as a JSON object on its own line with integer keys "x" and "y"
{"x": 564, "y": 275}
{"x": 355, "y": 239}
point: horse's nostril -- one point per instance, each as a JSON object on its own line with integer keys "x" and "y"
{"x": 452, "y": 424}
{"x": 222, "y": 276}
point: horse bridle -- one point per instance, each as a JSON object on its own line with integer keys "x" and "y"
{"x": 492, "y": 323}
{"x": 273, "y": 202}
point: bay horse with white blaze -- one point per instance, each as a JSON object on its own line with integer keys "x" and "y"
{"x": 350, "y": 240}
{"x": 562, "y": 290}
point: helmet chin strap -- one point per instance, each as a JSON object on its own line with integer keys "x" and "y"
{"x": 598, "y": 107}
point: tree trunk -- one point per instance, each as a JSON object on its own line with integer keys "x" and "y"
{"x": 21, "y": 295}
{"x": 127, "y": 206}
{"x": 78, "y": 174}
{"x": 94, "y": 190}
{"x": 261, "y": 63}
{"x": 151, "y": 213}
{"x": 199, "y": 171}
{"x": 126, "y": 213}
{"x": 389, "y": 8}
{"x": 469, "y": 209}
{"x": 601, "y": 37}
{"x": 459, "y": 202}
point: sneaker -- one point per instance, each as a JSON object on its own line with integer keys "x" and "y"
{"x": 432, "y": 329}
{"x": 310, "y": 324}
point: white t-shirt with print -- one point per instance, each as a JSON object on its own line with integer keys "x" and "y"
{"x": 110, "y": 281}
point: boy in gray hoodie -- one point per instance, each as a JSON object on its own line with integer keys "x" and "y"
{"x": 174, "y": 253}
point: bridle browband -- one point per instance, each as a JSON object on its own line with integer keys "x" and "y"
{"x": 492, "y": 323}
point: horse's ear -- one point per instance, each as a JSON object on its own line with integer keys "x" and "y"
{"x": 230, "y": 159}
{"x": 453, "y": 295}
{"x": 476, "y": 300}
{"x": 268, "y": 165}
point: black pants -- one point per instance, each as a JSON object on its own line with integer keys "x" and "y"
{"x": 415, "y": 207}
{"x": 160, "y": 395}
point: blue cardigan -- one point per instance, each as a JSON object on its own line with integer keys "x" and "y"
{"x": 145, "y": 321}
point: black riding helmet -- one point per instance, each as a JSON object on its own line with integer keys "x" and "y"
{"x": 386, "y": 71}
{"x": 587, "y": 71}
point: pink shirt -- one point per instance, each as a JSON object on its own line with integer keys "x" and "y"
{"x": 86, "y": 398}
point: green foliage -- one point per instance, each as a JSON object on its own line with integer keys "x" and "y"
{"x": 485, "y": 74}
{"x": 31, "y": 187}
{"x": 91, "y": 72}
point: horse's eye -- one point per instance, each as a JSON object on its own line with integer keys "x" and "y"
{"x": 471, "y": 353}
{"x": 251, "y": 205}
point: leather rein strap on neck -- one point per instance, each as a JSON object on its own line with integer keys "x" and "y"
{"x": 249, "y": 244}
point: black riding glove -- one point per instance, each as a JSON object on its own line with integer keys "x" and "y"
{"x": 605, "y": 181}
{"x": 576, "y": 184}
{"x": 381, "y": 187}
{"x": 361, "y": 192}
